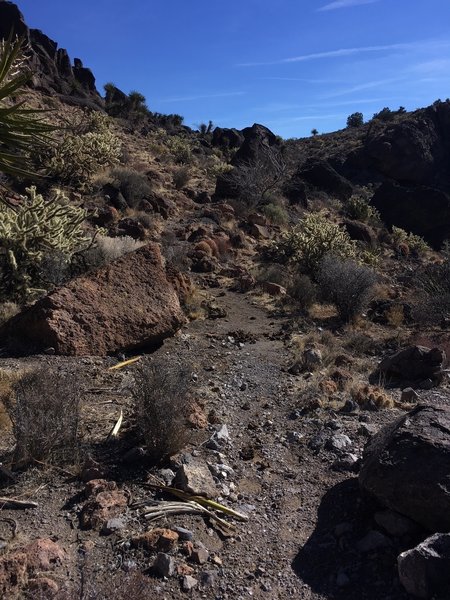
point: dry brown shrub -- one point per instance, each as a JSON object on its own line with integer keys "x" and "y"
{"x": 45, "y": 411}
{"x": 161, "y": 407}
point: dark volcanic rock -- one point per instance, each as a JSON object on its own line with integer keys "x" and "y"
{"x": 128, "y": 304}
{"x": 424, "y": 571}
{"x": 227, "y": 138}
{"x": 259, "y": 145}
{"x": 406, "y": 467}
{"x": 322, "y": 175}
{"x": 361, "y": 232}
{"x": 414, "y": 364}
{"x": 50, "y": 66}
{"x": 422, "y": 210}
{"x": 257, "y": 140}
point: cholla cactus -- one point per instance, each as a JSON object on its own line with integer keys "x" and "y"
{"x": 310, "y": 241}
{"x": 30, "y": 232}
{"x": 78, "y": 157}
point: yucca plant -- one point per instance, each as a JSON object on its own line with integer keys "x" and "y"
{"x": 21, "y": 129}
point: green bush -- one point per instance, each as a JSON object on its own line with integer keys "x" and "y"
{"x": 31, "y": 231}
{"x": 309, "y": 242}
{"x": 359, "y": 208}
{"x": 275, "y": 213}
{"x": 355, "y": 120}
{"x": 415, "y": 243}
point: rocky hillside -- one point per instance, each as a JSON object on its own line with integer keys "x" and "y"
{"x": 223, "y": 355}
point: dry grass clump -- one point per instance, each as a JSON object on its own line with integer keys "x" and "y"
{"x": 161, "y": 407}
{"x": 44, "y": 408}
{"x": 374, "y": 396}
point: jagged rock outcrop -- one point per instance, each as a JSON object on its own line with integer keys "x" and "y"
{"x": 405, "y": 467}
{"x": 422, "y": 210}
{"x": 417, "y": 366}
{"x": 125, "y": 305}
{"x": 259, "y": 145}
{"x": 322, "y": 175}
{"x": 227, "y": 138}
{"x": 51, "y": 66}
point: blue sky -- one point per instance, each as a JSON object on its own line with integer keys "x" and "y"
{"x": 289, "y": 64}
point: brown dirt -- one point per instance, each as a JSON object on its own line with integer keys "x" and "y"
{"x": 290, "y": 547}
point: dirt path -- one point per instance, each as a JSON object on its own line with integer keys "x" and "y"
{"x": 306, "y": 517}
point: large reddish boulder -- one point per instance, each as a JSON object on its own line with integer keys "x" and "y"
{"x": 126, "y": 305}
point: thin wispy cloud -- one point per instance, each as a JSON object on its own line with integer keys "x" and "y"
{"x": 303, "y": 79}
{"x": 364, "y": 86}
{"x": 345, "y": 4}
{"x": 341, "y": 52}
{"x": 202, "y": 96}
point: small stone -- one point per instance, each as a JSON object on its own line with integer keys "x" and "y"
{"x": 164, "y": 565}
{"x": 220, "y": 438}
{"x": 167, "y": 475}
{"x": 200, "y": 555}
{"x": 189, "y": 583}
{"x": 349, "y": 407}
{"x": 113, "y": 525}
{"x": 159, "y": 539}
{"x": 207, "y": 578}
{"x": 185, "y": 535}
{"x": 409, "y": 396}
{"x": 342, "y": 579}
{"x": 342, "y": 528}
{"x": 134, "y": 455}
{"x": 293, "y": 437}
{"x": 216, "y": 560}
{"x": 196, "y": 479}
{"x": 374, "y": 540}
{"x": 394, "y": 523}
{"x": 349, "y": 462}
{"x": 338, "y": 442}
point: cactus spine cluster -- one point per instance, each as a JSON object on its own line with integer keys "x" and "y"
{"x": 31, "y": 231}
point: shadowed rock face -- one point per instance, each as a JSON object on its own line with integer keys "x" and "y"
{"x": 126, "y": 305}
{"x": 51, "y": 66}
{"x": 406, "y": 467}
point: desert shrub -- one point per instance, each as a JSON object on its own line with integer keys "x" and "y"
{"x": 303, "y": 290}
{"x": 346, "y": 284}
{"x": 215, "y": 167}
{"x": 432, "y": 285}
{"x": 45, "y": 414}
{"x": 79, "y": 156}
{"x": 181, "y": 177}
{"x": 107, "y": 249}
{"x": 160, "y": 396}
{"x": 29, "y": 232}
{"x": 355, "y": 120}
{"x": 252, "y": 181}
{"x": 133, "y": 186}
{"x": 402, "y": 239}
{"x": 180, "y": 149}
{"x": 309, "y": 242}
{"x": 385, "y": 114}
{"x": 275, "y": 213}
{"x": 359, "y": 208}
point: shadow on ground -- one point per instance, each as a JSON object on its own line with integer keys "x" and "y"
{"x": 330, "y": 562}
